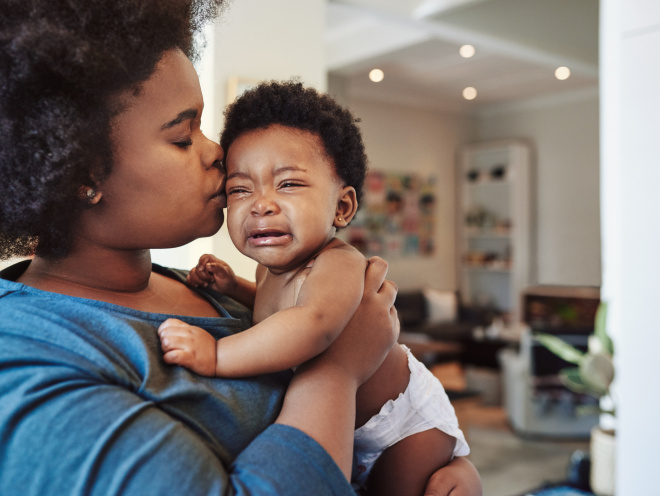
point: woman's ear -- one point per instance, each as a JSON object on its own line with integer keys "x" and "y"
{"x": 346, "y": 207}
{"x": 89, "y": 194}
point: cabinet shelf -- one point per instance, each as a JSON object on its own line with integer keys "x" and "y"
{"x": 494, "y": 224}
{"x": 487, "y": 268}
{"x": 488, "y": 183}
{"x": 472, "y": 233}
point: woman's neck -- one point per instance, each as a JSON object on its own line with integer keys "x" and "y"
{"x": 80, "y": 272}
{"x": 123, "y": 278}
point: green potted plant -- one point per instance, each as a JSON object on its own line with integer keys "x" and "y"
{"x": 592, "y": 374}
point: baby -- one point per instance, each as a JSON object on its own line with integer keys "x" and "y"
{"x": 295, "y": 170}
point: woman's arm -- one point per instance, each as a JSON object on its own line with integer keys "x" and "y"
{"x": 99, "y": 437}
{"x": 320, "y": 400}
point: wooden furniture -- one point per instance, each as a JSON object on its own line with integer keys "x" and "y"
{"x": 537, "y": 403}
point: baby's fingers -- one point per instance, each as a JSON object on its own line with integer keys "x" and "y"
{"x": 169, "y": 342}
{"x": 193, "y": 279}
{"x": 177, "y": 357}
{"x": 199, "y": 277}
{"x": 170, "y": 325}
{"x": 174, "y": 334}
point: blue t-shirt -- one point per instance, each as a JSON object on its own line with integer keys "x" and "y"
{"x": 87, "y": 406}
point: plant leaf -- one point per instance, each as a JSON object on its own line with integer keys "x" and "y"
{"x": 600, "y": 330}
{"x": 560, "y": 348}
{"x": 597, "y": 371}
{"x": 572, "y": 379}
{"x": 583, "y": 410}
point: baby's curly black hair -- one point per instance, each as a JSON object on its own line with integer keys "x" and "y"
{"x": 290, "y": 104}
{"x": 61, "y": 61}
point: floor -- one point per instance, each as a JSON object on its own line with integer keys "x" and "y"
{"x": 509, "y": 465}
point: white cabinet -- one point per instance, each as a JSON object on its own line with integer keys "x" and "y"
{"x": 495, "y": 223}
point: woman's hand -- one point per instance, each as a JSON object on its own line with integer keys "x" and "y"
{"x": 458, "y": 478}
{"x": 364, "y": 343}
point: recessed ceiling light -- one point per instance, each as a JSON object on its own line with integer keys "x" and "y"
{"x": 562, "y": 73}
{"x": 469, "y": 93}
{"x": 466, "y": 51}
{"x": 376, "y": 75}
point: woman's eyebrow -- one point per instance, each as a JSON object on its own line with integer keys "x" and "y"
{"x": 185, "y": 115}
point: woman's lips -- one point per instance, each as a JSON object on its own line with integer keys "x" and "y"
{"x": 269, "y": 238}
{"x": 220, "y": 198}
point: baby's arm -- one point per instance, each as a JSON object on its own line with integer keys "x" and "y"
{"x": 326, "y": 302}
{"x": 213, "y": 273}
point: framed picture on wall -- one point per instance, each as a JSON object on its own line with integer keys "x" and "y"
{"x": 397, "y": 217}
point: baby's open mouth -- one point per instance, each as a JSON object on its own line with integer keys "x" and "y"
{"x": 269, "y": 234}
{"x": 269, "y": 238}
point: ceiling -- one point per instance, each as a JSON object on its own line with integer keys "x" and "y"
{"x": 519, "y": 44}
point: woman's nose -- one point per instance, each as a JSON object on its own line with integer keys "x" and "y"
{"x": 212, "y": 154}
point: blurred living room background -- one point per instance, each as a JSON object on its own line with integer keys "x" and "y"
{"x": 513, "y": 169}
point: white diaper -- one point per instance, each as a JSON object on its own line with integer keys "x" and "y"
{"x": 422, "y": 406}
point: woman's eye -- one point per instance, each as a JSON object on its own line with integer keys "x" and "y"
{"x": 184, "y": 143}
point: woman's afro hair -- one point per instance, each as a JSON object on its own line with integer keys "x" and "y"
{"x": 290, "y": 104}
{"x": 61, "y": 61}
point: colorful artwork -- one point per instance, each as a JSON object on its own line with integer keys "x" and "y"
{"x": 397, "y": 216}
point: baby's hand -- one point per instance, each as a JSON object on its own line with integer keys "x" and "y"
{"x": 213, "y": 273}
{"x": 189, "y": 346}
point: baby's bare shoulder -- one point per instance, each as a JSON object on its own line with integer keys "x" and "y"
{"x": 339, "y": 248}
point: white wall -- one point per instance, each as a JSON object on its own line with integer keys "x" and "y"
{"x": 408, "y": 139}
{"x": 255, "y": 40}
{"x": 630, "y": 39}
{"x": 564, "y": 132}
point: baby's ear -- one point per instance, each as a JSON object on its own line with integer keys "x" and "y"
{"x": 346, "y": 207}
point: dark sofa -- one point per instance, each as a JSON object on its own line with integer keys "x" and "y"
{"x": 414, "y": 315}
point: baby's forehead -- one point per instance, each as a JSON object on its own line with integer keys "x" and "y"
{"x": 295, "y": 133}
{"x": 282, "y": 139}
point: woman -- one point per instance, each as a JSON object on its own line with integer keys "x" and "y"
{"x": 102, "y": 159}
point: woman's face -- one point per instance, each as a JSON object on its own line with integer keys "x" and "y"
{"x": 166, "y": 187}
